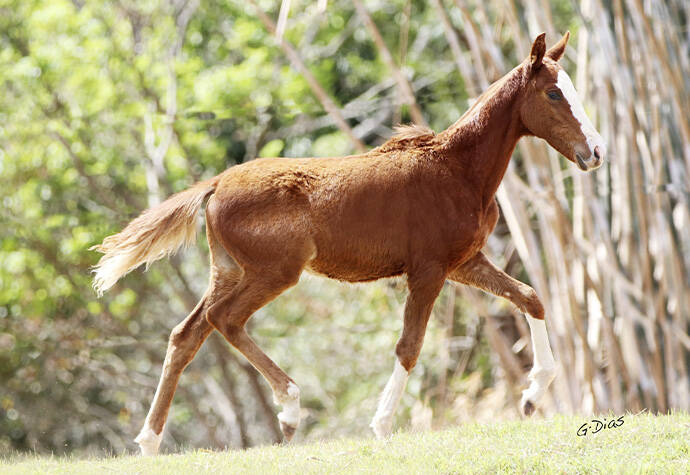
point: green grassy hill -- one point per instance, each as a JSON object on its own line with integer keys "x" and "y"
{"x": 642, "y": 444}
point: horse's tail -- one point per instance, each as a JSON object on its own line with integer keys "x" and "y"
{"x": 155, "y": 233}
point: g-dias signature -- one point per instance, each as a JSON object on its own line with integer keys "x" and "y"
{"x": 595, "y": 425}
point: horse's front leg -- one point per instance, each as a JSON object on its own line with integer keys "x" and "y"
{"x": 424, "y": 288}
{"x": 481, "y": 273}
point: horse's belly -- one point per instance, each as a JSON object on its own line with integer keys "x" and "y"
{"x": 354, "y": 269}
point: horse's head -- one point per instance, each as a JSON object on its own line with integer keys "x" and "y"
{"x": 551, "y": 108}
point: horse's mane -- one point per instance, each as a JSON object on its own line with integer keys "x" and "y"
{"x": 407, "y": 136}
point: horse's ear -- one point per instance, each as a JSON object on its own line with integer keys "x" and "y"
{"x": 537, "y": 53}
{"x": 557, "y": 50}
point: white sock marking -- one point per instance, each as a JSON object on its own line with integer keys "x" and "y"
{"x": 148, "y": 440}
{"x": 383, "y": 419}
{"x": 290, "y": 414}
{"x": 544, "y": 367}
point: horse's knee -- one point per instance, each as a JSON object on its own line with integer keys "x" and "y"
{"x": 407, "y": 353}
{"x": 532, "y": 304}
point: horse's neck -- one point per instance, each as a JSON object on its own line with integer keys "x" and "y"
{"x": 482, "y": 141}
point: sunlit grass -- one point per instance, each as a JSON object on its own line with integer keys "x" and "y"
{"x": 643, "y": 444}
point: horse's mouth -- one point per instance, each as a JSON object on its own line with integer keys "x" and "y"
{"x": 580, "y": 162}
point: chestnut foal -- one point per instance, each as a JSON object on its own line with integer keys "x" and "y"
{"x": 421, "y": 204}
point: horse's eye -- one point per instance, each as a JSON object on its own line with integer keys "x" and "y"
{"x": 554, "y": 95}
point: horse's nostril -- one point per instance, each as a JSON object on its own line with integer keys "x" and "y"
{"x": 597, "y": 152}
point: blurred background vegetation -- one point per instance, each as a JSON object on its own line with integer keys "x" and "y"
{"x": 107, "y": 107}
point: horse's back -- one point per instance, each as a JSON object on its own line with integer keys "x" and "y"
{"x": 346, "y": 214}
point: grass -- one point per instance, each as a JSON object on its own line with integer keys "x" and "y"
{"x": 643, "y": 444}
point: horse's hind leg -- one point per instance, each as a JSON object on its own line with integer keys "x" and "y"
{"x": 229, "y": 315}
{"x": 185, "y": 340}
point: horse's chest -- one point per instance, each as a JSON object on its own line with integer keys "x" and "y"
{"x": 471, "y": 232}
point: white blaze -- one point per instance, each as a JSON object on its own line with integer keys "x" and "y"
{"x": 593, "y": 138}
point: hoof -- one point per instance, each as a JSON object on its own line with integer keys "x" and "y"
{"x": 288, "y": 430}
{"x": 528, "y": 408}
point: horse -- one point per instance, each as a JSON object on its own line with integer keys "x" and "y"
{"x": 420, "y": 205}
